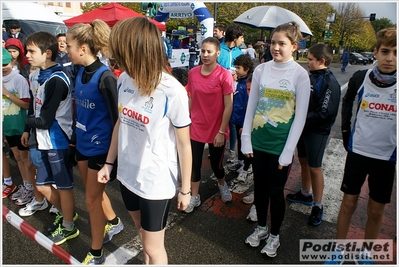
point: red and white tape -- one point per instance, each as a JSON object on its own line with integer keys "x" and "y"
{"x": 31, "y": 232}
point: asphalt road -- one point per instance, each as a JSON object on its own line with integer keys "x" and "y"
{"x": 214, "y": 233}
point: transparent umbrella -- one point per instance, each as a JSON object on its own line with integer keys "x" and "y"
{"x": 269, "y": 17}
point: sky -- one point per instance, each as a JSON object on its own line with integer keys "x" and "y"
{"x": 382, "y": 9}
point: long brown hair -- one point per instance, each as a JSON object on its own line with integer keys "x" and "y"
{"x": 137, "y": 46}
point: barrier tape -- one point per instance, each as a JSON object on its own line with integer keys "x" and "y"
{"x": 31, "y": 232}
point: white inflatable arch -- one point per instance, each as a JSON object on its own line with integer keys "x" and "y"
{"x": 187, "y": 9}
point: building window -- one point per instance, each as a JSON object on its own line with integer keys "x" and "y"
{"x": 68, "y": 4}
{"x": 50, "y": 3}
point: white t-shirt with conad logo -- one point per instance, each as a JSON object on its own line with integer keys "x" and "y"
{"x": 147, "y": 153}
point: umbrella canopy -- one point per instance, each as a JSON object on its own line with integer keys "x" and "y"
{"x": 269, "y": 17}
{"x": 110, "y": 14}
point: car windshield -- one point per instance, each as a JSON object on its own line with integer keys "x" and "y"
{"x": 357, "y": 54}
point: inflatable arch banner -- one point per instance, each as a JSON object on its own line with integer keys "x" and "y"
{"x": 186, "y": 10}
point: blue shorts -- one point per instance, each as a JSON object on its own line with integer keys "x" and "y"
{"x": 35, "y": 156}
{"x": 311, "y": 146}
{"x": 153, "y": 213}
{"x": 54, "y": 170}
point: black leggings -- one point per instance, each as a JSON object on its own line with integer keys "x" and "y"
{"x": 269, "y": 184}
{"x": 216, "y": 158}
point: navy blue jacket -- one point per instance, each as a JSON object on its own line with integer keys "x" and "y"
{"x": 325, "y": 97}
{"x": 240, "y": 102}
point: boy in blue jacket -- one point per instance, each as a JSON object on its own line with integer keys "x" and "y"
{"x": 52, "y": 123}
{"x": 244, "y": 68}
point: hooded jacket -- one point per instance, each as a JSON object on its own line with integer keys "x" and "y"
{"x": 227, "y": 56}
{"x": 22, "y": 61}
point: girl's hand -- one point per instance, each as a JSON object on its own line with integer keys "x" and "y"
{"x": 183, "y": 201}
{"x": 219, "y": 140}
{"x": 250, "y": 155}
{"x": 103, "y": 174}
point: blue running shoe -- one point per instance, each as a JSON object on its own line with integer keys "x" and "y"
{"x": 300, "y": 198}
{"x": 315, "y": 216}
{"x": 335, "y": 258}
{"x": 111, "y": 230}
{"x": 93, "y": 260}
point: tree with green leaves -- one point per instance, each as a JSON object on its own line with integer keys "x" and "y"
{"x": 382, "y": 23}
{"x": 349, "y": 23}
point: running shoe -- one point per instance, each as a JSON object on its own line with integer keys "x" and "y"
{"x": 61, "y": 234}
{"x": 315, "y": 216}
{"x": 25, "y": 198}
{"x": 249, "y": 199}
{"x": 53, "y": 210}
{"x": 242, "y": 176}
{"x": 93, "y": 260}
{"x": 272, "y": 244}
{"x": 364, "y": 258}
{"x": 298, "y": 197}
{"x": 252, "y": 215}
{"x": 335, "y": 258}
{"x": 195, "y": 201}
{"x": 32, "y": 207}
{"x": 17, "y": 194}
{"x": 58, "y": 221}
{"x": 231, "y": 156}
{"x": 235, "y": 165}
{"x": 225, "y": 192}
{"x": 258, "y": 235}
{"x": 111, "y": 230}
{"x": 8, "y": 189}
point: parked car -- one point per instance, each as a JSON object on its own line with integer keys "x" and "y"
{"x": 369, "y": 55}
{"x": 356, "y": 58}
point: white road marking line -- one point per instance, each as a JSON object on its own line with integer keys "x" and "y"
{"x": 121, "y": 256}
{"x": 343, "y": 87}
{"x": 132, "y": 248}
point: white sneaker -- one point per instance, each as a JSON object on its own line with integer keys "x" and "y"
{"x": 25, "y": 198}
{"x": 240, "y": 169}
{"x": 250, "y": 169}
{"x": 232, "y": 156}
{"x": 249, "y": 199}
{"x": 225, "y": 193}
{"x": 53, "y": 209}
{"x": 242, "y": 176}
{"x": 236, "y": 165}
{"x": 32, "y": 207}
{"x": 19, "y": 193}
{"x": 272, "y": 244}
{"x": 259, "y": 234}
{"x": 252, "y": 215}
{"x": 194, "y": 202}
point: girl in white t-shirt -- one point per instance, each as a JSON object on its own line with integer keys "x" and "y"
{"x": 151, "y": 136}
{"x": 275, "y": 116}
